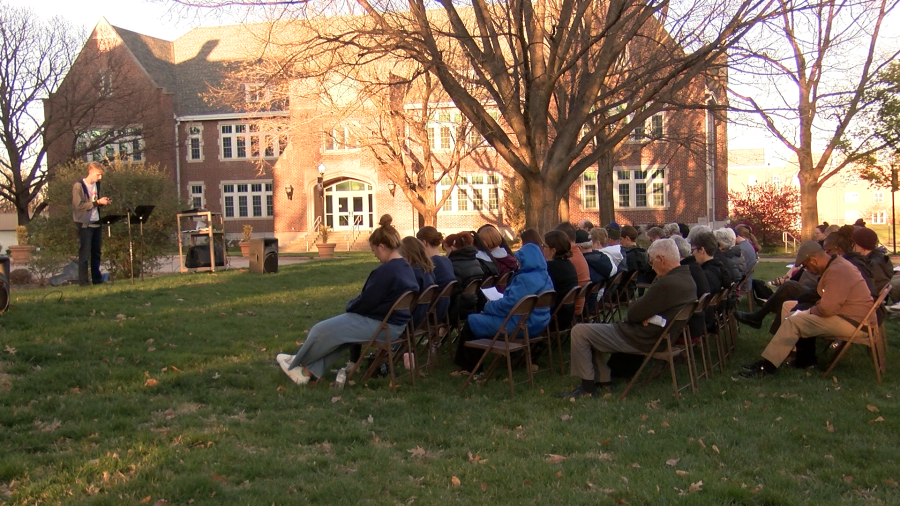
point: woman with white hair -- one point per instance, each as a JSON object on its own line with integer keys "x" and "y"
{"x": 729, "y": 253}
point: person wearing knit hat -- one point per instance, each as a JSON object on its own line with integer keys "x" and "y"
{"x": 614, "y": 231}
{"x": 866, "y": 238}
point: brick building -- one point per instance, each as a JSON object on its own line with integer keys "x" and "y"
{"x": 246, "y": 166}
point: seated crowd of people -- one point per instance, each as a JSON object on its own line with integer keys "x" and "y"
{"x": 830, "y": 289}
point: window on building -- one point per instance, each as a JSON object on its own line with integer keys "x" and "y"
{"x": 475, "y": 192}
{"x": 751, "y": 180}
{"x": 589, "y": 190}
{"x": 102, "y": 144}
{"x": 851, "y": 197}
{"x": 850, "y": 216}
{"x": 339, "y": 138}
{"x": 242, "y": 141}
{"x": 197, "y": 194}
{"x": 639, "y": 188}
{"x": 195, "y": 143}
{"x": 879, "y": 217}
{"x": 776, "y": 180}
{"x": 104, "y": 83}
{"x": 256, "y": 92}
{"x": 654, "y": 128}
{"x": 247, "y": 199}
{"x": 878, "y": 197}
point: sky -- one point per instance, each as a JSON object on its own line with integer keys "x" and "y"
{"x": 155, "y": 19}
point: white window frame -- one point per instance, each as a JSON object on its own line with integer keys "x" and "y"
{"x": 244, "y": 135}
{"x": 751, "y": 180}
{"x": 640, "y": 133}
{"x": 233, "y": 208}
{"x": 651, "y": 179}
{"x": 128, "y": 146}
{"x": 340, "y": 138}
{"x": 879, "y": 217}
{"x": 878, "y": 197}
{"x": 474, "y": 193}
{"x": 590, "y": 189}
{"x": 441, "y": 132}
{"x": 194, "y": 135}
{"x": 256, "y": 93}
{"x": 851, "y": 197}
{"x": 776, "y": 180}
{"x": 193, "y": 194}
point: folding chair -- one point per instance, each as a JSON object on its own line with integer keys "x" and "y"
{"x": 748, "y": 291}
{"x": 867, "y": 333}
{"x": 670, "y": 352}
{"x": 488, "y": 282}
{"x": 416, "y": 333}
{"x": 729, "y": 322}
{"x": 435, "y": 337}
{"x": 385, "y": 348}
{"x": 470, "y": 289}
{"x": 506, "y": 347}
{"x": 608, "y": 301}
{"x": 553, "y": 329}
{"x": 503, "y": 280}
{"x": 691, "y": 342}
{"x": 544, "y": 300}
{"x": 622, "y": 296}
{"x": 587, "y": 291}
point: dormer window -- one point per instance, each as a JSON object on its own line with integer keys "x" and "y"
{"x": 256, "y": 92}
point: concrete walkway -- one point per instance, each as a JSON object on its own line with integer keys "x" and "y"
{"x": 171, "y": 265}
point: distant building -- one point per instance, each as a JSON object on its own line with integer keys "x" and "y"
{"x": 213, "y": 152}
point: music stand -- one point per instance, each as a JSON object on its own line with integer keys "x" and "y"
{"x": 109, "y": 220}
{"x": 139, "y": 216}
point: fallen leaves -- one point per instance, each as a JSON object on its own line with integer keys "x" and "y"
{"x": 476, "y": 459}
{"x": 565, "y": 417}
{"x": 872, "y": 409}
{"x": 828, "y": 426}
{"x": 417, "y": 453}
{"x": 151, "y": 382}
{"x": 672, "y": 462}
{"x": 455, "y": 481}
{"x": 679, "y": 472}
{"x": 9, "y": 349}
{"x": 879, "y": 419}
{"x": 552, "y": 458}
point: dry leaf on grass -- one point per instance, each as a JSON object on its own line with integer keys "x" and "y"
{"x": 829, "y": 426}
{"x": 873, "y": 409}
{"x": 879, "y": 419}
{"x": 636, "y": 465}
{"x": 417, "y": 453}
{"x": 484, "y": 487}
{"x": 672, "y": 462}
{"x": 336, "y": 399}
{"x": 555, "y": 459}
{"x": 715, "y": 448}
{"x": 565, "y": 418}
{"x": 848, "y": 478}
{"x": 151, "y": 383}
{"x": 9, "y": 349}
{"x": 695, "y": 487}
{"x": 679, "y": 472}
{"x": 891, "y": 483}
{"x": 455, "y": 481}
{"x": 476, "y": 459}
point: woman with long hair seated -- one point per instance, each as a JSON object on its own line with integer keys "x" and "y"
{"x": 412, "y": 250}
{"x": 467, "y": 268}
{"x": 443, "y": 267}
{"x": 329, "y": 338}
{"x": 557, "y": 251}
{"x": 531, "y": 279}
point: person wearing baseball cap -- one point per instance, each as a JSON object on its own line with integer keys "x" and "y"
{"x": 844, "y": 302}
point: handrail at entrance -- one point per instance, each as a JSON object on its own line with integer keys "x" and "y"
{"x": 316, "y": 224}
{"x": 788, "y": 238}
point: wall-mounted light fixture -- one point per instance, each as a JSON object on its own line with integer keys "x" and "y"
{"x": 289, "y": 191}
{"x": 392, "y": 188}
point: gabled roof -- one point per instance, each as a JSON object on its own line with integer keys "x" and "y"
{"x": 155, "y": 55}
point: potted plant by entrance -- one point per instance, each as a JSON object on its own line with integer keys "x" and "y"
{"x": 21, "y": 253}
{"x": 326, "y": 249}
{"x": 245, "y": 240}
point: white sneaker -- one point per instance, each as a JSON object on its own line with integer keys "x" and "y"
{"x": 895, "y": 307}
{"x": 296, "y": 374}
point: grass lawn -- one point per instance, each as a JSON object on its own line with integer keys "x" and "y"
{"x": 167, "y": 392}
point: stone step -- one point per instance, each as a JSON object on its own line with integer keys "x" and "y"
{"x": 341, "y": 238}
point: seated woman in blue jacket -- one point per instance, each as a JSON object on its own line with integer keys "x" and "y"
{"x": 531, "y": 279}
{"x": 329, "y": 338}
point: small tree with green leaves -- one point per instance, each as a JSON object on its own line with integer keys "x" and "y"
{"x": 129, "y": 186}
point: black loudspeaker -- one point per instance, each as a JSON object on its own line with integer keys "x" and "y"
{"x": 198, "y": 256}
{"x": 4, "y": 284}
{"x": 264, "y": 256}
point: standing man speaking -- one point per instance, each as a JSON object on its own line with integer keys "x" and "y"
{"x": 86, "y": 202}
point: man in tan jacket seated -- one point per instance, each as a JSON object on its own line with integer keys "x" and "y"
{"x": 845, "y": 300}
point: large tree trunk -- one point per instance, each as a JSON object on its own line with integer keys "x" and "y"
{"x": 605, "y": 190}
{"x": 809, "y": 194}
{"x": 542, "y": 205}
{"x": 24, "y": 218}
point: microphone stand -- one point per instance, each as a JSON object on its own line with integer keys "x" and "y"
{"x": 130, "y": 245}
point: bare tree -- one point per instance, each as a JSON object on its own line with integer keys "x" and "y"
{"x": 41, "y": 107}
{"x": 811, "y": 70}
{"x": 570, "y": 79}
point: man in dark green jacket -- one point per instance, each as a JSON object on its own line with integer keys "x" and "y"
{"x": 672, "y": 289}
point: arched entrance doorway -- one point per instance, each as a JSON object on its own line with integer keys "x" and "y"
{"x": 349, "y": 202}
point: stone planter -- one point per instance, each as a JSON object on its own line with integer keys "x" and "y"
{"x": 326, "y": 250}
{"x": 21, "y": 254}
{"x": 245, "y": 249}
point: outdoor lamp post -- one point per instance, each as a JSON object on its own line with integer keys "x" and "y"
{"x": 321, "y": 169}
